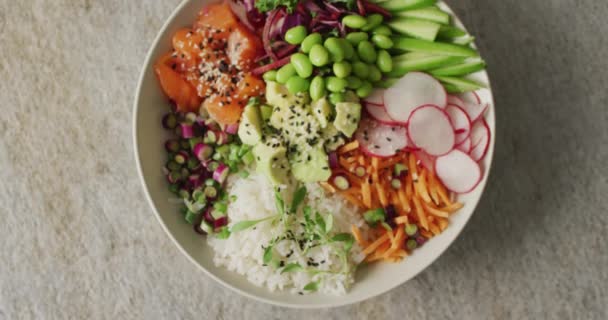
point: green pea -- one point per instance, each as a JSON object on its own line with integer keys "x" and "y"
{"x": 335, "y": 48}
{"x": 302, "y": 64}
{"x": 366, "y": 51}
{"x": 270, "y": 75}
{"x": 319, "y": 56}
{"x": 335, "y": 84}
{"x": 354, "y": 21}
{"x": 373, "y": 20}
{"x": 342, "y": 69}
{"x": 382, "y": 41}
{"x": 317, "y": 88}
{"x": 336, "y": 97}
{"x": 384, "y": 62}
{"x": 355, "y": 37}
{"x": 353, "y": 82}
{"x": 296, "y": 35}
{"x": 349, "y": 51}
{"x": 297, "y": 84}
{"x": 311, "y": 40}
{"x": 383, "y": 30}
{"x": 374, "y": 73}
{"x": 365, "y": 89}
{"x": 361, "y": 70}
{"x": 285, "y": 72}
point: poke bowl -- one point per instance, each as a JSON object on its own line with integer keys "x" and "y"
{"x": 316, "y": 153}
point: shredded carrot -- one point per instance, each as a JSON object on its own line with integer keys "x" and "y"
{"x": 412, "y": 166}
{"x": 358, "y": 237}
{"x": 397, "y": 242}
{"x": 405, "y": 204}
{"x": 434, "y": 229}
{"x": 436, "y": 212}
{"x": 420, "y": 213}
{"x": 421, "y": 187}
{"x": 374, "y": 245}
{"x": 366, "y": 193}
{"x": 425, "y": 233}
{"x": 432, "y": 188}
{"x": 343, "y": 162}
{"x": 349, "y": 147}
{"x": 353, "y": 200}
{"x": 453, "y": 207}
{"x": 443, "y": 223}
{"x": 402, "y": 220}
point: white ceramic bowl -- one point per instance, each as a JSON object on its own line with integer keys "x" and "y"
{"x": 149, "y": 136}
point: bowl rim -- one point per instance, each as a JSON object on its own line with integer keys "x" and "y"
{"x": 424, "y": 265}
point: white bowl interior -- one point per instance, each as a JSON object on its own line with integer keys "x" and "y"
{"x": 149, "y": 136}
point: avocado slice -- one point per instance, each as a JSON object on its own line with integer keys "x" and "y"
{"x": 250, "y": 128}
{"x": 322, "y": 110}
{"x": 277, "y": 95}
{"x": 332, "y": 137}
{"x": 347, "y": 119}
{"x": 271, "y": 157}
{"x": 311, "y": 166}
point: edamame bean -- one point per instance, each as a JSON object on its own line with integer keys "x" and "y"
{"x": 383, "y": 30}
{"x": 374, "y": 73}
{"x": 355, "y": 37}
{"x": 350, "y": 96}
{"x": 353, "y": 82}
{"x": 285, "y": 72}
{"x": 366, "y": 51}
{"x": 319, "y": 56}
{"x": 384, "y": 62}
{"x": 317, "y": 88}
{"x": 270, "y": 75}
{"x": 311, "y": 40}
{"x": 342, "y": 69}
{"x": 302, "y": 64}
{"x": 296, "y": 35}
{"x": 334, "y": 46}
{"x": 355, "y": 57}
{"x": 373, "y": 20}
{"x": 336, "y": 97}
{"x": 297, "y": 84}
{"x": 365, "y": 89}
{"x": 335, "y": 84}
{"x": 354, "y": 21}
{"x": 349, "y": 51}
{"x": 382, "y": 41}
{"x": 361, "y": 70}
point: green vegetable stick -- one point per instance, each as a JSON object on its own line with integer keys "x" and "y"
{"x": 450, "y": 32}
{"x": 459, "y": 85}
{"x": 401, "y": 67}
{"x": 431, "y": 14}
{"x": 417, "y": 45}
{"x": 400, "y": 5}
{"x": 460, "y": 69}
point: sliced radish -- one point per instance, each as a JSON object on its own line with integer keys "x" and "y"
{"x": 460, "y": 121}
{"x": 413, "y": 90}
{"x": 430, "y": 129}
{"x": 458, "y": 171}
{"x": 452, "y": 99}
{"x": 376, "y": 97}
{"x": 470, "y": 96}
{"x": 480, "y": 140}
{"x": 380, "y": 140}
{"x": 379, "y": 114}
{"x": 425, "y": 159}
{"x": 465, "y": 146}
{"x": 474, "y": 110}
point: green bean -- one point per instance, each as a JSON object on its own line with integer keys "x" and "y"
{"x": 319, "y": 56}
{"x": 349, "y": 51}
{"x": 335, "y": 84}
{"x": 302, "y": 64}
{"x": 270, "y": 75}
{"x": 374, "y": 73}
{"x": 285, "y": 72}
{"x": 383, "y": 30}
{"x": 366, "y": 51}
{"x": 311, "y": 40}
{"x": 296, "y": 35}
{"x": 382, "y": 41}
{"x": 384, "y": 62}
{"x": 317, "y": 88}
{"x": 373, "y": 20}
{"x": 336, "y": 97}
{"x": 355, "y": 37}
{"x": 354, "y": 21}
{"x": 361, "y": 70}
{"x": 353, "y": 82}
{"x": 342, "y": 69}
{"x": 297, "y": 84}
{"x": 365, "y": 89}
{"x": 334, "y": 46}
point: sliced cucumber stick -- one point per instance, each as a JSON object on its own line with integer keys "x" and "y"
{"x": 416, "y": 28}
{"x": 430, "y": 14}
{"x": 450, "y": 32}
{"x": 459, "y": 85}
{"x": 417, "y": 45}
{"x": 464, "y": 41}
{"x": 403, "y": 66}
{"x": 460, "y": 69}
{"x": 399, "y": 5}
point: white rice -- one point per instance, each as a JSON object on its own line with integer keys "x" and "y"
{"x": 243, "y": 253}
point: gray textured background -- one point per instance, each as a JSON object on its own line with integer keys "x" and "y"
{"x": 78, "y": 240}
